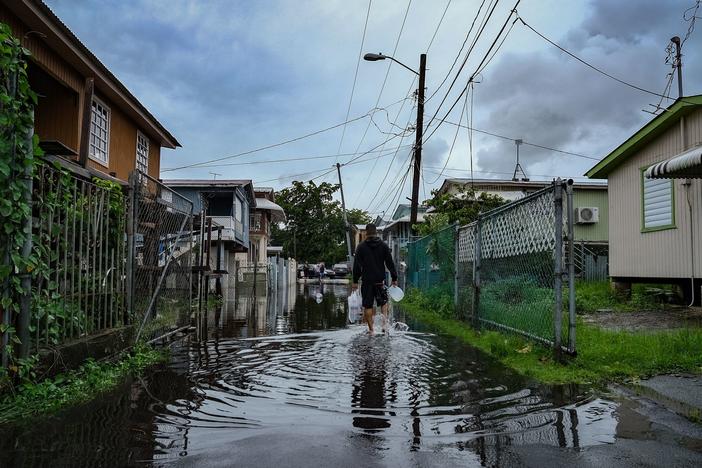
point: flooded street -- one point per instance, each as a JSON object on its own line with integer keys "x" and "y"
{"x": 284, "y": 381}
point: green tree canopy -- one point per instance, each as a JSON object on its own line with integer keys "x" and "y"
{"x": 462, "y": 208}
{"x": 314, "y": 231}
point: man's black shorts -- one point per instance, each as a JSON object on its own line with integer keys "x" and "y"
{"x": 371, "y": 292}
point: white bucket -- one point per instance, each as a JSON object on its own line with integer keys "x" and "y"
{"x": 396, "y": 293}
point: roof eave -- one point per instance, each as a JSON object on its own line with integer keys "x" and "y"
{"x": 660, "y": 123}
{"x": 47, "y": 17}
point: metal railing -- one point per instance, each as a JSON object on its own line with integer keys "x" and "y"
{"x": 79, "y": 230}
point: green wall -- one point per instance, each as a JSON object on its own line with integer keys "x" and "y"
{"x": 596, "y": 231}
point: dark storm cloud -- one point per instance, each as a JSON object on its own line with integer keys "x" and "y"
{"x": 549, "y": 98}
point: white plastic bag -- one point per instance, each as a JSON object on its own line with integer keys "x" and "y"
{"x": 355, "y": 311}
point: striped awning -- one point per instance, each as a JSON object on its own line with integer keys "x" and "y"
{"x": 687, "y": 165}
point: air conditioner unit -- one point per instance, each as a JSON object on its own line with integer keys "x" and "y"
{"x": 587, "y": 215}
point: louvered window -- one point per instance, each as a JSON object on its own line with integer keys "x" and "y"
{"x": 658, "y": 208}
{"x": 142, "y": 153}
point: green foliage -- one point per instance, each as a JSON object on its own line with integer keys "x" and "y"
{"x": 76, "y": 387}
{"x": 519, "y": 302}
{"x": 18, "y": 159}
{"x": 603, "y": 355}
{"x": 591, "y": 296}
{"x": 462, "y": 208}
{"x": 314, "y": 230}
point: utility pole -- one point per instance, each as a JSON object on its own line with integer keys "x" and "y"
{"x": 346, "y": 220}
{"x": 678, "y": 63}
{"x": 418, "y": 140}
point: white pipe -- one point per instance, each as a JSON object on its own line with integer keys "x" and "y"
{"x": 688, "y": 184}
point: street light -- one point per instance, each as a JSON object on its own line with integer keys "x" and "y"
{"x": 420, "y": 125}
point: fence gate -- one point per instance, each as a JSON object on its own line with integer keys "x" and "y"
{"x": 162, "y": 244}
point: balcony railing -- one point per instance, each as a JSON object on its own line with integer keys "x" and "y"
{"x": 230, "y": 223}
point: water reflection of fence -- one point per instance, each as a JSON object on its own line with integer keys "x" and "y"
{"x": 507, "y": 270}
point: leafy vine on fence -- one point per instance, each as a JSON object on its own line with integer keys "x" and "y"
{"x": 18, "y": 158}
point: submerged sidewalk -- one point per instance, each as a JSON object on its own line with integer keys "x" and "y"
{"x": 681, "y": 394}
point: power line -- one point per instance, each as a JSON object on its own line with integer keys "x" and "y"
{"x": 472, "y": 77}
{"x": 485, "y": 22}
{"x": 453, "y": 143}
{"x": 497, "y": 135}
{"x": 355, "y": 75}
{"x": 300, "y": 158}
{"x": 598, "y": 70}
{"x": 387, "y": 72}
{"x": 351, "y": 162}
{"x": 460, "y": 51}
{"x": 285, "y": 142}
{"x": 455, "y": 169}
{"x": 441, "y": 20}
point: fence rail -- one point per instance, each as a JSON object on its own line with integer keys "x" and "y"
{"x": 507, "y": 270}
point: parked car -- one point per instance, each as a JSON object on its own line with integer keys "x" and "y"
{"x": 341, "y": 269}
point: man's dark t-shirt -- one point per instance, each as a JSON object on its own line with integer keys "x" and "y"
{"x": 372, "y": 256}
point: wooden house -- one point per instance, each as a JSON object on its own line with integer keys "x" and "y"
{"x": 84, "y": 115}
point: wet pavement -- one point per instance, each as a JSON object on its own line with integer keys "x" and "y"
{"x": 285, "y": 381}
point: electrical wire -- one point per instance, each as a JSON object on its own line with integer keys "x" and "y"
{"x": 387, "y": 72}
{"x": 438, "y": 26}
{"x": 435, "y": 170}
{"x": 453, "y": 143}
{"x": 472, "y": 77}
{"x": 285, "y": 142}
{"x": 460, "y": 51}
{"x": 355, "y": 75}
{"x": 485, "y": 22}
{"x": 300, "y": 158}
{"x": 497, "y": 135}
{"x": 598, "y": 70}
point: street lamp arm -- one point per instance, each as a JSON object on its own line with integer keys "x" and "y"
{"x": 375, "y": 57}
{"x": 400, "y": 63}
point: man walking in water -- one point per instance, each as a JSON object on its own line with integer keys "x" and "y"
{"x": 372, "y": 257}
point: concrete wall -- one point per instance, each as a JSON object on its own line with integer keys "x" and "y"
{"x": 659, "y": 254}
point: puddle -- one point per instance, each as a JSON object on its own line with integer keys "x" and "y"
{"x": 287, "y": 377}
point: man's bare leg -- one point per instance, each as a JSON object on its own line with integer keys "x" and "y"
{"x": 385, "y": 309}
{"x": 368, "y": 317}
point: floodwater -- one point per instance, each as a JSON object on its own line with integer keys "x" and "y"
{"x": 285, "y": 381}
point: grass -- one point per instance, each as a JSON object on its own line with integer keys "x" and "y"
{"x": 79, "y": 386}
{"x": 591, "y": 296}
{"x": 603, "y": 355}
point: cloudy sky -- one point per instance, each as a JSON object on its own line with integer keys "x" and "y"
{"x": 231, "y": 76}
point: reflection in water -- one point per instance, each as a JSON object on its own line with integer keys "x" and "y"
{"x": 398, "y": 397}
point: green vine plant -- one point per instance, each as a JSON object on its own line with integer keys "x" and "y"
{"x": 18, "y": 156}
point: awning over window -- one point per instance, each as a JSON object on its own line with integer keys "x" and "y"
{"x": 687, "y": 165}
{"x": 277, "y": 213}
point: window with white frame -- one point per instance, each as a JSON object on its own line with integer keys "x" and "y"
{"x": 238, "y": 209}
{"x": 142, "y": 153}
{"x": 657, "y": 204}
{"x": 100, "y": 131}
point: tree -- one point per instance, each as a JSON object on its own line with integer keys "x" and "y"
{"x": 314, "y": 230}
{"x": 462, "y": 208}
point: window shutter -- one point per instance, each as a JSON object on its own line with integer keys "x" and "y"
{"x": 657, "y": 203}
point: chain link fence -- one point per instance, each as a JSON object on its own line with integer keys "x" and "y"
{"x": 507, "y": 270}
{"x": 162, "y": 242}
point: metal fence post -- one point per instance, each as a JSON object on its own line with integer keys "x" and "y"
{"x": 131, "y": 225}
{"x": 456, "y": 238}
{"x": 571, "y": 269}
{"x": 477, "y": 252}
{"x": 558, "y": 266}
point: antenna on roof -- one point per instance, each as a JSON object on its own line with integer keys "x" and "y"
{"x": 214, "y": 175}
{"x": 518, "y": 167}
